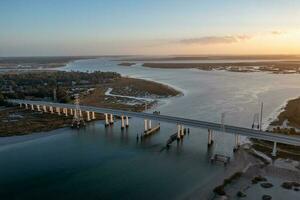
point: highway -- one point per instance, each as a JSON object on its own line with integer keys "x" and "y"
{"x": 250, "y": 133}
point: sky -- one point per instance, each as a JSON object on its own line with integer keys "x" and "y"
{"x": 148, "y": 27}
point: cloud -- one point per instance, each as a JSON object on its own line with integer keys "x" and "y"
{"x": 277, "y": 32}
{"x": 206, "y": 40}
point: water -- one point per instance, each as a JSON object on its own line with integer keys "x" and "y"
{"x": 99, "y": 163}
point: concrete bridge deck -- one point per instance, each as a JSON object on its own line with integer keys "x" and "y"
{"x": 250, "y": 133}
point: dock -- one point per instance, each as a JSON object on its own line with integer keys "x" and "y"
{"x": 220, "y": 158}
{"x": 152, "y": 130}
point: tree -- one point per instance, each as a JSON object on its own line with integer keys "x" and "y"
{"x": 62, "y": 95}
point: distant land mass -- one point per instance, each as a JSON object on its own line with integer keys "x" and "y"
{"x": 212, "y": 57}
{"x": 39, "y": 62}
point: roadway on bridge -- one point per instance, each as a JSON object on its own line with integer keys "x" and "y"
{"x": 250, "y": 133}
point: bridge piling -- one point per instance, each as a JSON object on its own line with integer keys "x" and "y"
{"x": 182, "y": 131}
{"x": 178, "y": 131}
{"x": 145, "y": 125}
{"x": 274, "y": 151}
{"x": 38, "y": 107}
{"x": 80, "y": 113}
{"x": 93, "y": 115}
{"x": 106, "y": 119}
{"x": 111, "y": 119}
{"x": 66, "y": 112}
{"x": 26, "y": 106}
{"x": 149, "y": 124}
{"x": 210, "y": 138}
{"x": 237, "y": 143}
{"x": 58, "y": 110}
{"x": 88, "y": 117}
{"x": 127, "y": 122}
{"x": 122, "y": 122}
{"x": 71, "y": 111}
{"x": 51, "y": 109}
{"x": 32, "y": 108}
{"x": 44, "y": 108}
{"x": 20, "y": 105}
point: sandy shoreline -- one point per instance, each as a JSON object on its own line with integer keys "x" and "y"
{"x": 250, "y": 164}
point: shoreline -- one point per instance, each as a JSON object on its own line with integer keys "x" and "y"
{"x": 121, "y": 93}
{"x": 275, "y": 67}
{"x": 274, "y": 114}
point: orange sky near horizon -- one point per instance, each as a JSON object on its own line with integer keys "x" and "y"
{"x": 287, "y": 42}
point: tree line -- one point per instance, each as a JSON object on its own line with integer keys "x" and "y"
{"x": 42, "y": 84}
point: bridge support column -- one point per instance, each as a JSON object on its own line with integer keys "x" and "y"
{"x": 51, "y": 109}
{"x": 32, "y": 108}
{"x": 58, "y": 110}
{"x": 122, "y": 122}
{"x": 111, "y": 119}
{"x": 127, "y": 122}
{"x": 38, "y": 107}
{"x": 145, "y": 125}
{"x": 88, "y": 117}
{"x": 106, "y": 119}
{"x": 182, "y": 131}
{"x": 149, "y": 124}
{"x": 20, "y": 105}
{"x": 210, "y": 138}
{"x": 66, "y": 112}
{"x": 26, "y": 106}
{"x": 80, "y": 113}
{"x": 71, "y": 111}
{"x": 178, "y": 131}
{"x": 274, "y": 151}
{"x": 44, "y": 108}
{"x": 93, "y": 115}
{"x": 237, "y": 142}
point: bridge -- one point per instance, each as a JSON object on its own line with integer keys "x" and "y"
{"x": 109, "y": 113}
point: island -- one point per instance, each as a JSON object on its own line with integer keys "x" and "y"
{"x": 277, "y": 64}
{"x": 277, "y": 67}
{"x": 128, "y": 64}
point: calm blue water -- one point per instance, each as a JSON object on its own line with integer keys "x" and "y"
{"x": 99, "y": 163}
